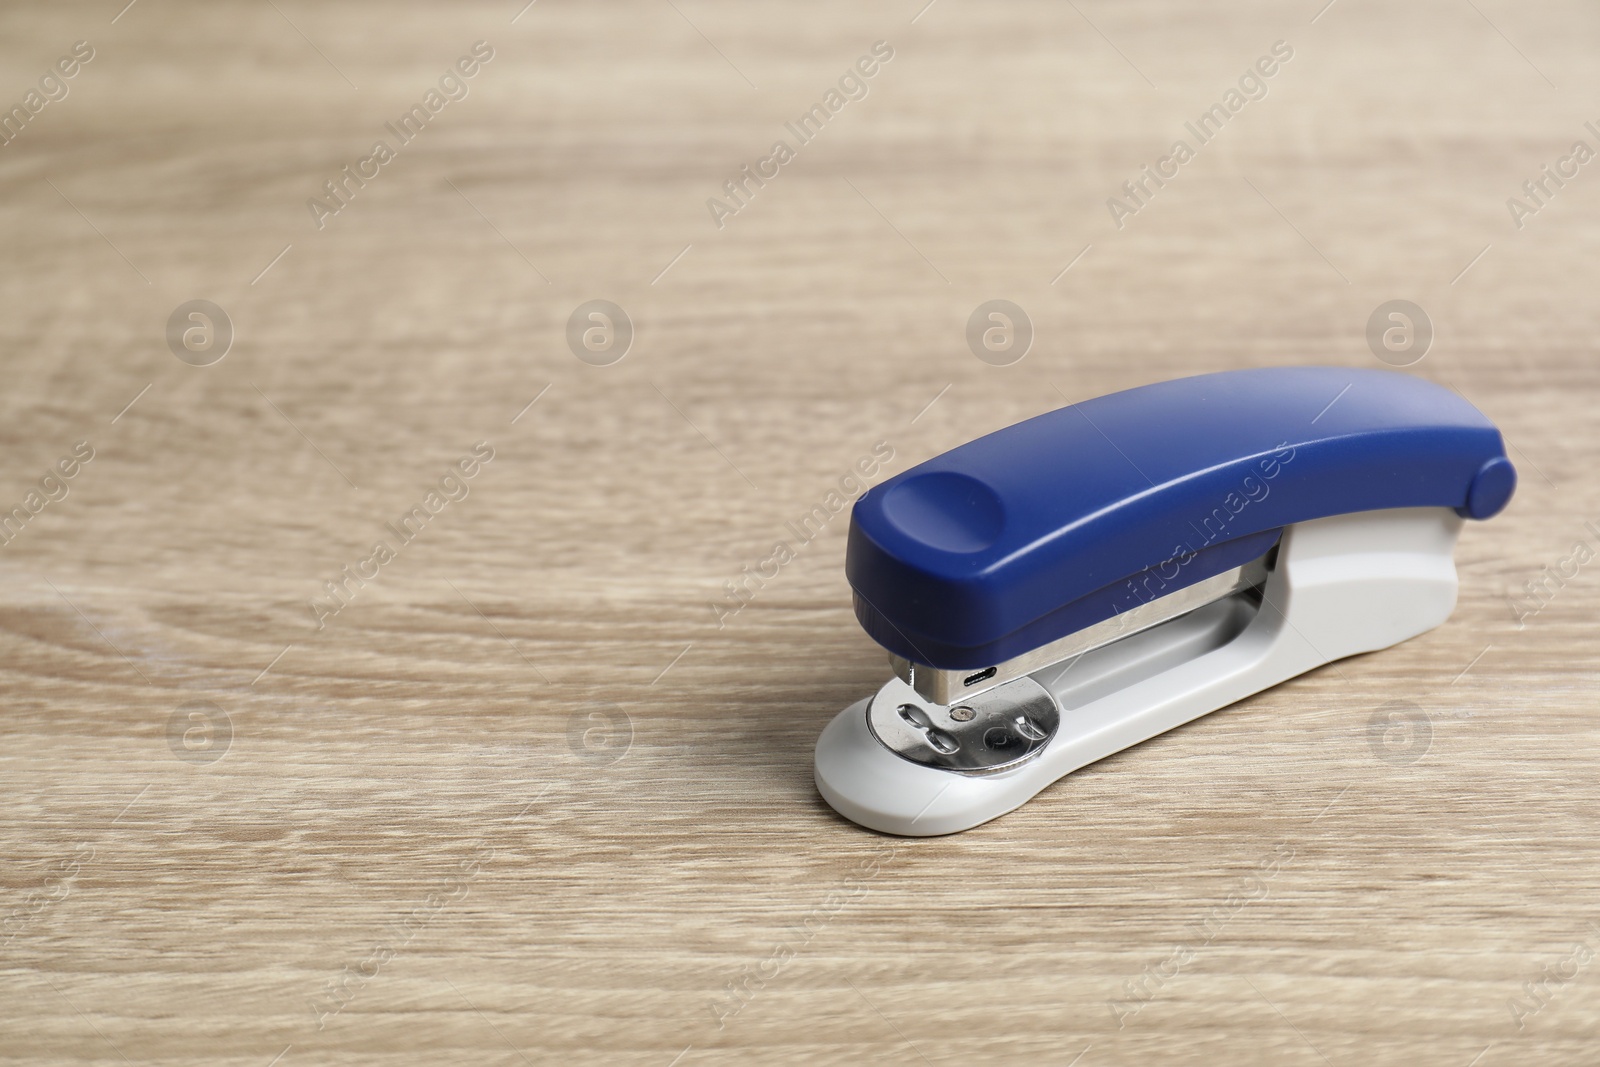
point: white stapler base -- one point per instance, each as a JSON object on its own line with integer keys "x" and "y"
{"x": 1342, "y": 585}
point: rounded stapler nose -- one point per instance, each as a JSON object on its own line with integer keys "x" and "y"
{"x": 1078, "y": 583}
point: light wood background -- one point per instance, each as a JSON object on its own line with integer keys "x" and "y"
{"x": 523, "y": 800}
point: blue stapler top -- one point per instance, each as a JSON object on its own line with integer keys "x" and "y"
{"x": 1033, "y": 532}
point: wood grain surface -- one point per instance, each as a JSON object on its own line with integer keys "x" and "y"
{"x": 531, "y": 791}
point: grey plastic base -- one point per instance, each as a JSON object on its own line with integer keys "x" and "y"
{"x": 1342, "y": 585}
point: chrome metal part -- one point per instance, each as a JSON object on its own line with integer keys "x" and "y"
{"x": 954, "y": 687}
{"x": 1000, "y": 728}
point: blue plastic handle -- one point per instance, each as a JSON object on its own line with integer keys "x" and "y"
{"x": 1035, "y": 531}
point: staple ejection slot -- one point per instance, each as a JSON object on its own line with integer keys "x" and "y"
{"x": 982, "y": 676}
{"x": 946, "y": 687}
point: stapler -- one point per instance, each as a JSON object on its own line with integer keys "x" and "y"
{"x": 1072, "y": 585}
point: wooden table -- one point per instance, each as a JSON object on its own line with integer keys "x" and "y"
{"x": 528, "y": 790}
